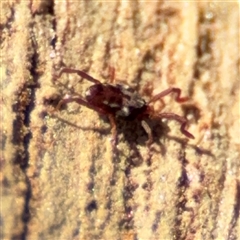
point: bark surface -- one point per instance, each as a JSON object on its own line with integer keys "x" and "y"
{"x": 59, "y": 176}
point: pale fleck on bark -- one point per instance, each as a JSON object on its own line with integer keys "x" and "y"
{"x": 59, "y": 177}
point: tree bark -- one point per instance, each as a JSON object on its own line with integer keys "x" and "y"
{"x": 60, "y": 177}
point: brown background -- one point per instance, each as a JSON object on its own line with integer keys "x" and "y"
{"x": 59, "y": 177}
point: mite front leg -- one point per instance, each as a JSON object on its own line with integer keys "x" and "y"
{"x": 182, "y": 120}
{"x": 168, "y": 91}
{"x": 81, "y": 101}
{"x": 111, "y": 71}
{"x": 80, "y": 73}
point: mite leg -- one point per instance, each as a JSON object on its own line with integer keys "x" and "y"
{"x": 150, "y": 140}
{"x": 111, "y": 71}
{"x": 149, "y": 133}
{"x": 80, "y": 73}
{"x": 69, "y": 99}
{"x": 182, "y": 120}
{"x": 113, "y": 130}
{"x": 168, "y": 91}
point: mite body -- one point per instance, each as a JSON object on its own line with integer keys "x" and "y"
{"x": 121, "y": 101}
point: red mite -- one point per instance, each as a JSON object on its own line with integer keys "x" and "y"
{"x": 121, "y": 101}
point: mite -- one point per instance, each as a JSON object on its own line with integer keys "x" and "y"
{"x": 121, "y": 101}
